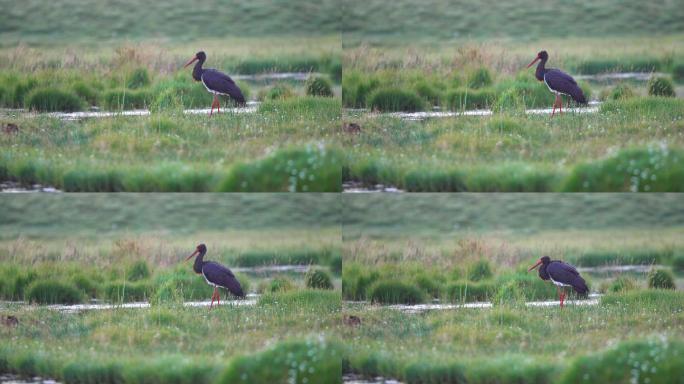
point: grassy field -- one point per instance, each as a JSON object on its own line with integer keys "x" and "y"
{"x": 121, "y": 248}
{"x": 169, "y": 151}
{"x": 123, "y": 55}
{"x": 447, "y": 19}
{"x": 633, "y": 145}
{"x": 511, "y": 344}
{"x": 42, "y": 22}
{"x": 460, "y": 248}
{"x": 454, "y": 56}
{"x": 283, "y": 146}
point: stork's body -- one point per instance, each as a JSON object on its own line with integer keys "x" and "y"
{"x": 561, "y": 275}
{"x": 558, "y": 82}
{"x": 215, "y": 82}
{"x": 215, "y": 274}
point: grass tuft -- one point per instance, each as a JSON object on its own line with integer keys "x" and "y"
{"x": 632, "y": 361}
{"x": 318, "y": 86}
{"x": 660, "y": 279}
{"x": 318, "y": 279}
{"x": 395, "y": 292}
{"x": 53, "y": 292}
{"x": 52, "y": 99}
{"x": 308, "y": 361}
{"x": 660, "y": 86}
{"x": 311, "y": 169}
{"x": 394, "y": 100}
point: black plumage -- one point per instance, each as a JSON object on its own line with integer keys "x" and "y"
{"x": 561, "y": 274}
{"x": 215, "y": 81}
{"x": 215, "y": 274}
{"x": 557, "y": 81}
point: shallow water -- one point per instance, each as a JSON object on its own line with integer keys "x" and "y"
{"x": 355, "y": 187}
{"x": 416, "y": 308}
{"x": 16, "y": 379}
{"x": 416, "y": 116}
{"x": 250, "y": 300}
{"x": 250, "y": 108}
{"x": 269, "y": 269}
{"x": 12, "y": 187}
{"x": 351, "y": 378}
{"x": 265, "y": 77}
{"x": 593, "y": 107}
{"x": 620, "y": 268}
{"x": 619, "y": 76}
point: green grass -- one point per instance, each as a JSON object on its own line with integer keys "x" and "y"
{"x": 444, "y": 20}
{"x": 315, "y": 362}
{"x": 126, "y": 20}
{"x": 394, "y": 99}
{"x": 126, "y": 247}
{"x": 165, "y": 343}
{"x": 123, "y": 248}
{"x": 171, "y": 152}
{"x": 517, "y": 153}
{"x": 50, "y": 100}
{"x": 511, "y": 344}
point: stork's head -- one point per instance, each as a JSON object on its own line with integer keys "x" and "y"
{"x": 201, "y": 249}
{"x": 542, "y": 55}
{"x": 543, "y": 260}
{"x": 201, "y": 56}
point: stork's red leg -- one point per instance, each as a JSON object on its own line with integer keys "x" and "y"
{"x": 218, "y": 297}
{"x": 213, "y": 103}
{"x": 555, "y": 105}
{"x": 213, "y": 295}
{"x": 218, "y": 104}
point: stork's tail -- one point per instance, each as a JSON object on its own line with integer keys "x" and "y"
{"x": 239, "y": 98}
{"x": 580, "y": 286}
{"x": 578, "y": 95}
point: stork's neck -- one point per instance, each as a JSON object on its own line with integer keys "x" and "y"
{"x": 199, "y": 261}
{"x": 542, "y": 271}
{"x": 539, "y": 73}
{"x": 197, "y": 70}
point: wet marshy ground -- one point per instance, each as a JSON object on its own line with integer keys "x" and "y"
{"x": 351, "y": 378}
{"x": 12, "y": 187}
{"x": 16, "y": 379}
{"x": 593, "y": 299}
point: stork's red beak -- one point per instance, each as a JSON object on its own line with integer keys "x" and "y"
{"x": 191, "y": 61}
{"x": 528, "y": 65}
{"x": 193, "y": 255}
{"x": 535, "y": 266}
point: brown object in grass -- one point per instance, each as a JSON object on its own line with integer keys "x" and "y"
{"x": 10, "y": 128}
{"x": 352, "y": 128}
{"x": 351, "y": 320}
{"x": 10, "y": 321}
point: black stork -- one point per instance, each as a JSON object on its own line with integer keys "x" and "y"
{"x": 562, "y": 275}
{"x": 557, "y": 81}
{"x": 215, "y": 82}
{"x": 215, "y": 274}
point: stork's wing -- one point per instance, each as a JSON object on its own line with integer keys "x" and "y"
{"x": 222, "y": 276}
{"x": 222, "y": 83}
{"x": 562, "y": 82}
{"x": 567, "y": 274}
